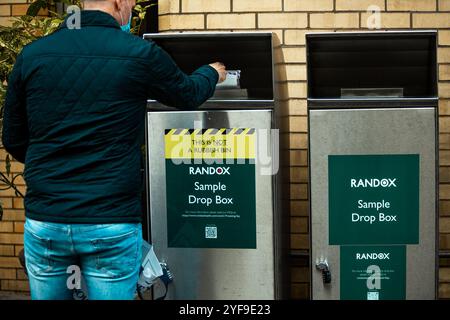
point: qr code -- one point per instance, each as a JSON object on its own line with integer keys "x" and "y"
{"x": 210, "y": 232}
{"x": 373, "y": 295}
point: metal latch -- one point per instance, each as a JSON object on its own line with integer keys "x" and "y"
{"x": 322, "y": 265}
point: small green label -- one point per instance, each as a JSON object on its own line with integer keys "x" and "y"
{"x": 211, "y": 206}
{"x": 373, "y": 199}
{"x": 373, "y": 272}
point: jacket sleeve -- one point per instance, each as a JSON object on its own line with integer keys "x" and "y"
{"x": 15, "y": 128}
{"x": 172, "y": 87}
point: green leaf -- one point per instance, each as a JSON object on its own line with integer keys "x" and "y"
{"x": 8, "y": 165}
{"x": 34, "y": 8}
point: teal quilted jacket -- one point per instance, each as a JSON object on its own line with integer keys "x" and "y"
{"x": 74, "y": 114}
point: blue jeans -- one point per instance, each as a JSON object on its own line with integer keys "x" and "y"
{"x": 108, "y": 256}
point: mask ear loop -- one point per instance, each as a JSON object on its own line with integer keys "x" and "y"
{"x": 121, "y": 16}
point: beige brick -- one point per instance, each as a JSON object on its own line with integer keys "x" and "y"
{"x": 444, "y": 107}
{"x": 431, "y": 20}
{"x": 444, "y": 225}
{"x": 411, "y": 5}
{"x": 444, "y": 291}
{"x": 300, "y": 158}
{"x": 444, "y": 274}
{"x": 16, "y": 1}
{"x": 12, "y": 192}
{"x": 299, "y": 174}
{"x": 297, "y": 107}
{"x": 11, "y": 238}
{"x": 299, "y": 225}
{"x": 298, "y": 124}
{"x": 444, "y": 72}
{"x": 6, "y": 226}
{"x": 444, "y": 241}
{"x": 444, "y": 90}
{"x": 282, "y": 20}
{"x": 5, "y": 10}
{"x": 182, "y": 22}
{"x": 297, "y": 89}
{"x": 19, "y": 181}
{"x": 334, "y": 20}
{"x": 308, "y": 5}
{"x": 206, "y": 6}
{"x": 18, "y": 227}
{"x": 294, "y": 55}
{"x": 444, "y": 175}
{"x": 300, "y": 291}
{"x": 6, "y": 250}
{"x": 444, "y": 124}
{"x": 298, "y": 141}
{"x": 295, "y": 37}
{"x": 256, "y": 5}
{"x": 19, "y": 9}
{"x": 6, "y": 203}
{"x": 168, "y": 6}
{"x": 6, "y": 21}
{"x": 299, "y": 208}
{"x": 300, "y": 274}
{"x": 444, "y": 37}
{"x": 16, "y": 167}
{"x": 13, "y": 215}
{"x": 298, "y": 37}
{"x": 444, "y": 5}
{"x": 16, "y": 285}
{"x": 299, "y": 191}
{"x": 231, "y": 21}
{"x": 295, "y": 72}
{"x": 10, "y": 262}
{"x": 18, "y": 203}
{"x": 8, "y": 192}
{"x": 389, "y": 20}
{"x": 7, "y": 273}
{"x": 358, "y": 5}
{"x": 444, "y": 208}
{"x": 299, "y": 241}
{"x": 3, "y": 153}
{"x": 444, "y": 144}
{"x": 443, "y": 55}
{"x": 444, "y": 191}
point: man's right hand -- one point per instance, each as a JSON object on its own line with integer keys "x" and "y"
{"x": 220, "y": 68}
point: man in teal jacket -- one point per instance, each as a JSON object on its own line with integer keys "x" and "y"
{"x": 74, "y": 114}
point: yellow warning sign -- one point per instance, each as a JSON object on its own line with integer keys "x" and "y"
{"x": 232, "y": 143}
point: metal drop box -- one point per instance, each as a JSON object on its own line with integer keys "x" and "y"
{"x": 373, "y": 155}
{"x": 214, "y": 208}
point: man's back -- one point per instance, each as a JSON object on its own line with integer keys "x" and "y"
{"x": 85, "y": 93}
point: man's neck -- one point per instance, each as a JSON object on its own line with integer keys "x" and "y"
{"x": 105, "y": 6}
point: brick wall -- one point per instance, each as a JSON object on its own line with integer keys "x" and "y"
{"x": 290, "y": 19}
{"x": 13, "y": 8}
{"x": 12, "y": 277}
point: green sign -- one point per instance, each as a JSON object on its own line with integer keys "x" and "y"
{"x": 210, "y": 187}
{"x": 373, "y": 272}
{"x": 373, "y": 199}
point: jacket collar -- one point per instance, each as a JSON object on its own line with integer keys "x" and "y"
{"x": 94, "y": 18}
